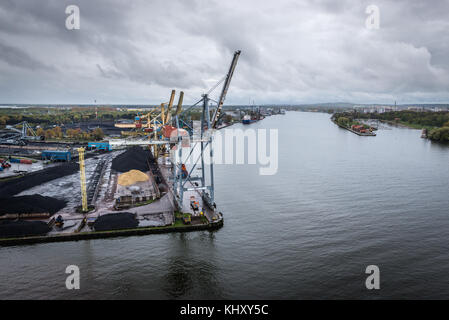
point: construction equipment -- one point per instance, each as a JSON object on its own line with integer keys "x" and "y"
{"x": 156, "y": 118}
{"x": 163, "y": 113}
{"x": 187, "y": 219}
{"x": 4, "y": 164}
{"x": 83, "y": 179}
{"x": 194, "y": 204}
{"x": 179, "y": 107}
{"x": 16, "y": 136}
{"x": 59, "y": 222}
{"x": 204, "y": 183}
{"x": 224, "y": 91}
{"x": 24, "y": 131}
{"x": 170, "y": 105}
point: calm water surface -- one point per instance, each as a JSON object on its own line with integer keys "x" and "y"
{"x": 338, "y": 203}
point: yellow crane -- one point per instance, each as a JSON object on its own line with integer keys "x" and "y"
{"x": 83, "y": 179}
{"x": 170, "y": 104}
{"x": 179, "y": 107}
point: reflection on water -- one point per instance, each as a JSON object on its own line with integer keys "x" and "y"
{"x": 183, "y": 276}
{"x": 179, "y": 278}
{"x": 190, "y": 275}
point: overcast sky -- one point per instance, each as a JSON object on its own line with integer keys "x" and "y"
{"x": 135, "y": 52}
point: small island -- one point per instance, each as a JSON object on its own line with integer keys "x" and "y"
{"x": 435, "y": 125}
{"x": 349, "y": 123}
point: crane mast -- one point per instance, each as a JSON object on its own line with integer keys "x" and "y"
{"x": 170, "y": 104}
{"x": 224, "y": 91}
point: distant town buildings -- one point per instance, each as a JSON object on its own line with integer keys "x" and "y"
{"x": 375, "y": 109}
{"x": 383, "y": 109}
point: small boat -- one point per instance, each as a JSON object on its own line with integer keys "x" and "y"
{"x": 246, "y": 119}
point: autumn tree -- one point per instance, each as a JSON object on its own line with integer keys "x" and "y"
{"x": 98, "y": 134}
{"x": 40, "y": 132}
{"x": 49, "y": 133}
{"x": 57, "y": 132}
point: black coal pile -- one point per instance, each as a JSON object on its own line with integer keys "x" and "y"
{"x": 23, "y": 228}
{"x": 116, "y": 221}
{"x": 31, "y": 204}
{"x": 134, "y": 158}
{"x": 14, "y": 186}
{"x": 154, "y": 167}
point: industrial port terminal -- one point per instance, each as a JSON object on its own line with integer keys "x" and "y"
{"x": 138, "y": 184}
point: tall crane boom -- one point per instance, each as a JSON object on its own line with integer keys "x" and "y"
{"x": 179, "y": 107}
{"x": 170, "y": 104}
{"x": 224, "y": 91}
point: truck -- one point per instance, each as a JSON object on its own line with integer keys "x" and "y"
{"x": 4, "y": 164}
{"x": 187, "y": 219}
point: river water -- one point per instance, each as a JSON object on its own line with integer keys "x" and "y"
{"x": 338, "y": 203}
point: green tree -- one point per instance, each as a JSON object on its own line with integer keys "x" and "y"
{"x": 343, "y": 121}
{"x": 98, "y": 134}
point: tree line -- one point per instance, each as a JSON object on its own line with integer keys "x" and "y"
{"x": 437, "y": 122}
{"x": 422, "y": 118}
{"x": 74, "y": 134}
{"x": 44, "y": 117}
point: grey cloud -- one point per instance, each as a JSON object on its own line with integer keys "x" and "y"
{"x": 292, "y": 51}
{"x": 16, "y": 57}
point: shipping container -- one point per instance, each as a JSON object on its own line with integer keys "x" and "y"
{"x": 56, "y": 155}
{"x": 99, "y": 146}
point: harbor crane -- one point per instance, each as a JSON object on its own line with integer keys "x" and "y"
{"x": 224, "y": 91}
{"x": 183, "y": 180}
{"x": 186, "y": 182}
{"x": 20, "y": 136}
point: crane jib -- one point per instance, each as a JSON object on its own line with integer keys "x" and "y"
{"x": 225, "y": 88}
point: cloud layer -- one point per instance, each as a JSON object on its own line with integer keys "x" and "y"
{"x": 292, "y": 51}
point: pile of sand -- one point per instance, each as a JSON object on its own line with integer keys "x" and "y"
{"x": 132, "y": 177}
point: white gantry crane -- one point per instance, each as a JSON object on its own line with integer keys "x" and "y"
{"x": 204, "y": 185}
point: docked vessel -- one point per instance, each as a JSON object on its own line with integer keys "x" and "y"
{"x": 246, "y": 119}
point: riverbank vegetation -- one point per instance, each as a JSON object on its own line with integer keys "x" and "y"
{"x": 437, "y": 123}
{"x": 348, "y": 121}
{"x": 420, "y": 118}
{"x": 440, "y": 134}
{"x": 50, "y": 116}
